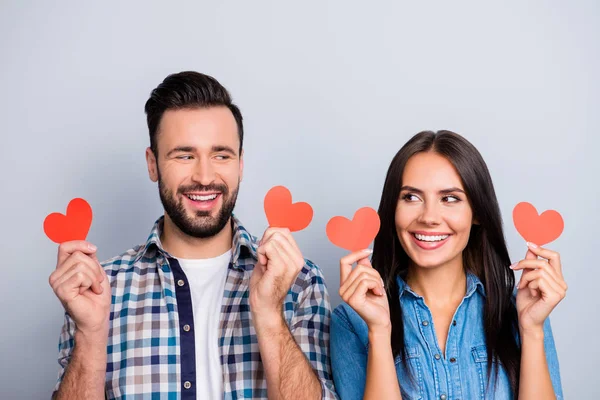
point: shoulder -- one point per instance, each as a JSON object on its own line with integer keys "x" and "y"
{"x": 123, "y": 261}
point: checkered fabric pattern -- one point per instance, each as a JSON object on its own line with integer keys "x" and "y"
{"x": 151, "y": 352}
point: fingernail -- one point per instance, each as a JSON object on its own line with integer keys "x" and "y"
{"x": 532, "y": 245}
{"x": 512, "y": 266}
{"x": 368, "y": 251}
{"x": 92, "y": 247}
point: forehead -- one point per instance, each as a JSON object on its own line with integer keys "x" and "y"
{"x": 430, "y": 171}
{"x": 198, "y": 127}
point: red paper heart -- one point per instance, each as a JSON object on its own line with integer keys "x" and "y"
{"x": 356, "y": 234}
{"x": 538, "y": 229}
{"x": 73, "y": 226}
{"x": 281, "y": 213}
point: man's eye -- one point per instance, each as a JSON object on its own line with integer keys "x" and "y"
{"x": 186, "y": 157}
{"x": 222, "y": 157}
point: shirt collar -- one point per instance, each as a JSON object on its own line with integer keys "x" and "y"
{"x": 473, "y": 284}
{"x": 244, "y": 245}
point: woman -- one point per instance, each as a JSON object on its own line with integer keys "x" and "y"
{"x": 435, "y": 316}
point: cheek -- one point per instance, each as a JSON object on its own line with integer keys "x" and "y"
{"x": 230, "y": 175}
{"x": 460, "y": 221}
{"x": 173, "y": 174}
{"x": 403, "y": 218}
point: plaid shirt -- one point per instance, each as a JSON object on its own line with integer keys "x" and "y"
{"x": 151, "y": 350}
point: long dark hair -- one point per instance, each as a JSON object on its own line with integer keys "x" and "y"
{"x": 486, "y": 255}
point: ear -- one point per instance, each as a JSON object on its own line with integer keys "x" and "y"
{"x": 152, "y": 165}
{"x": 241, "y": 165}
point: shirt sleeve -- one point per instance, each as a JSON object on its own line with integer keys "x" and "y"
{"x": 348, "y": 358}
{"x": 552, "y": 359}
{"x": 66, "y": 344}
{"x": 309, "y": 326}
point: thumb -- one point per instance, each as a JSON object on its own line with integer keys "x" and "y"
{"x": 530, "y": 256}
{"x": 364, "y": 261}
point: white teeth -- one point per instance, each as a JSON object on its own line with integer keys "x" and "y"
{"x": 430, "y": 238}
{"x": 202, "y": 198}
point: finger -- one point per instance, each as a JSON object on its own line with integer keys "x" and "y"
{"x": 364, "y": 276}
{"x": 286, "y": 248}
{"x": 539, "y": 264}
{"x": 272, "y": 253}
{"x": 78, "y": 269}
{"x": 531, "y": 281}
{"x": 549, "y": 290}
{"x": 94, "y": 256}
{"x": 67, "y": 248}
{"x": 553, "y": 257}
{"x": 74, "y": 259}
{"x": 73, "y": 282}
{"x": 357, "y": 272}
{"x": 360, "y": 290}
{"x": 347, "y": 261}
{"x": 269, "y": 232}
{"x": 286, "y": 233}
{"x": 365, "y": 261}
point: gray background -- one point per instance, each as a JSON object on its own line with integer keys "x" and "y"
{"x": 329, "y": 91}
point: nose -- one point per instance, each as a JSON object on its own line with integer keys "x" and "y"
{"x": 204, "y": 172}
{"x": 430, "y": 214}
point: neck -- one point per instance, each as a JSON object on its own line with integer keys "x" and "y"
{"x": 440, "y": 285}
{"x": 180, "y": 245}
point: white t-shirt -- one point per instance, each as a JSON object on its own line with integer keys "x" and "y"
{"x": 206, "y": 278}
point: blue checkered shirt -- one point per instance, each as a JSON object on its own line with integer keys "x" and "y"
{"x": 152, "y": 356}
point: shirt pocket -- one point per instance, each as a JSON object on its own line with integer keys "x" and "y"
{"x": 498, "y": 388}
{"x": 410, "y": 375}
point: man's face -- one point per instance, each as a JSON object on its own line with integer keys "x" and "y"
{"x": 198, "y": 169}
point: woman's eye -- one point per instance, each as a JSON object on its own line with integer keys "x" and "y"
{"x": 451, "y": 199}
{"x": 410, "y": 197}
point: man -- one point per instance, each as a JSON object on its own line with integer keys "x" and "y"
{"x": 202, "y": 309}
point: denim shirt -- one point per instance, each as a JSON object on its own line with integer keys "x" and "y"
{"x": 461, "y": 373}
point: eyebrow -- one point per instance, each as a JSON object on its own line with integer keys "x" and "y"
{"x": 191, "y": 149}
{"x": 443, "y": 191}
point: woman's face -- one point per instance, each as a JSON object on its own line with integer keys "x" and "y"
{"x": 433, "y": 214}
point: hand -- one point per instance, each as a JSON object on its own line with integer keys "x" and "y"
{"x": 82, "y": 287}
{"x": 540, "y": 288}
{"x": 362, "y": 289}
{"x": 279, "y": 262}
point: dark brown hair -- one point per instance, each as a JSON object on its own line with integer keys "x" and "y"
{"x": 188, "y": 89}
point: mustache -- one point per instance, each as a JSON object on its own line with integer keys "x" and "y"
{"x": 213, "y": 187}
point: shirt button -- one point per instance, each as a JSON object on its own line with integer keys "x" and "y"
{"x": 437, "y": 356}
{"x": 186, "y": 328}
{"x": 187, "y": 384}
{"x": 181, "y": 282}
{"x": 443, "y": 397}
{"x": 425, "y": 323}
{"x": 454, "y": 323}
{"x": 453, "y": 360}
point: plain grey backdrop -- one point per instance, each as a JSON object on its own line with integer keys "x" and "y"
{"x": 329, "y": 91}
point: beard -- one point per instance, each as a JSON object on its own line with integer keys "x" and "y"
{"x": 201, "y": 225}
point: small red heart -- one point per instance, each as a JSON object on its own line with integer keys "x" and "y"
{"x": 73, "y": 226}
{"x": 281, "y": 213}
{"x": 538, "y": 229}
{"x": 356, "y": 234}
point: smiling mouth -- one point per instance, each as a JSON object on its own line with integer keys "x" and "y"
{"x": 202, "y": 197}
{"x": 430, "y": 238}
